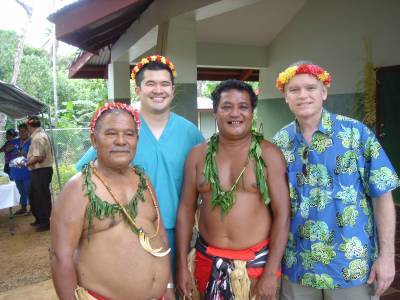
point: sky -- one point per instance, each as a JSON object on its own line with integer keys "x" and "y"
{"x": 13, "y": 17}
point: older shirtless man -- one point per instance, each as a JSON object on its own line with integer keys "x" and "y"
{"x": 244, "y": 212}
{"x": 107, "y": 239}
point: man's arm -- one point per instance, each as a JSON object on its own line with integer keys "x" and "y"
{"x": 185, "y": 221}
{"x": 7, "y": 147}
{"x": 383, "y": 269}
{"x": 66, "y": 226}
{"x": 34, "y": 159}
{"x": 280, "y": 206}
{"x": 169, "y": 293}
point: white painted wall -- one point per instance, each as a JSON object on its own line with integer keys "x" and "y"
{"x": 235, "y": 56}
{"x": 332, "y": 33}
{"x": 161, "y": 11}
{"x": 207, "y": 123}
{"x": 118, "y": 81}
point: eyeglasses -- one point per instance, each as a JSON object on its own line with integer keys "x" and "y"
{"x": 305, "y": 161}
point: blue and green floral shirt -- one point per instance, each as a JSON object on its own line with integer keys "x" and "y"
{"x": 332, "y": 241}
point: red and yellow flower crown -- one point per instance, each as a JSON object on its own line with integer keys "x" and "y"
{"x": 114, "y": 105}
{"x": 166, "y": 61}
{"x": 318, "y": 72}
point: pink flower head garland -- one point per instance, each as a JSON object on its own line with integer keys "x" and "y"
{"x": 318, "y": 72}
{"x": 166, "y": 61}
{"x": 115, "y": 105}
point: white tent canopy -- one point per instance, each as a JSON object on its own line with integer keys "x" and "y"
{"x": 17, "y": 104}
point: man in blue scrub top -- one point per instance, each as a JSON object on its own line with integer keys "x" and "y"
{"x": 165, "y": 137}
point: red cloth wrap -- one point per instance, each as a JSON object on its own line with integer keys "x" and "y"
{"x": 97, "y": 296}
{"x": 203, "y": 264}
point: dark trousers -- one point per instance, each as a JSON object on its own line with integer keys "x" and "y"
{"x": 40, "y": 197}
{"x": 7, "y": 170}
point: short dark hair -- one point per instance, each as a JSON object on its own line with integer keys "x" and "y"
{"x": 11, "y": 132}
{"x": 233, "y": 84}
{"x": 153, "y": 66}
{"x": 22, "y": 126}
{"x": 33, "y": 121}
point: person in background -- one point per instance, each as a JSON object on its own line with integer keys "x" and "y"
{"x": 10, "y": 149}
{"x": 40, "y": 162}
{"x": 19, "y": 172}
{"x": 341, "y": 241}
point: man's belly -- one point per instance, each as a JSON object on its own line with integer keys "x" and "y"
{"x": 114, "y": 265}
{"x": 246, "y": 224}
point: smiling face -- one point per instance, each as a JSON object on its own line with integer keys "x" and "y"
{"x": 155, "y": 91}
{"x": 115, "y": 139}
{"x": 305, "y": 95}
{"x": 234, "y": 114}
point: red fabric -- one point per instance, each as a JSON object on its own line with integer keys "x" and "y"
{"x": 115, "y": 105}
{"x": 97, "y": 296}
{"x": 245, "y": 254}
{"x": 203, "y": 264}
{"x": 202, "y": 271}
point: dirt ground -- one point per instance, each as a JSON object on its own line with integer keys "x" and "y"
{"x": 24, "y": 255}
{"x": 25, "y": 270}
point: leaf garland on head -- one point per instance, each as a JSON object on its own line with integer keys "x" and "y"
{"x": 101, "y": 209}
{"x": 226, "y": 199}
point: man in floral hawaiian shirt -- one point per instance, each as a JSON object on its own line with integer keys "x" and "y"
{"x": 340, "y": 182}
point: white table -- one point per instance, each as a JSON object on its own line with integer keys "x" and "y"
{"x": 9, "y": 197}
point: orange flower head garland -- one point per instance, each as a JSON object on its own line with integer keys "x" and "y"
{"x": 117, "y": 106}
{"x": 164, "y": 60}
{"x": 314, "y": 70}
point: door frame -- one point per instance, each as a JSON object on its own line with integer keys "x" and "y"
{"x": 379, "y": 101}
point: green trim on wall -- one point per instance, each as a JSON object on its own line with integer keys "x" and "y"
{"x": 272, "y": 115}
{"x": 185, "y": 101}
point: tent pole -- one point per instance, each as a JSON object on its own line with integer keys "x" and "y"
{"x": 54, "y": 153}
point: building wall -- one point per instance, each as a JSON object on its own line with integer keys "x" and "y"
{"x": 207, "y": 123}
{"x": 273, "y": 114}
{"x": 332, "y": 34}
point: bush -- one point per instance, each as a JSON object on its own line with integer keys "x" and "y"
{"x": 66, "y": 172}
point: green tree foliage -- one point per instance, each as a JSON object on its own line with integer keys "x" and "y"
{"x": 35, "y": 74}
{"x": 8, "y": 46}
{"x": 78, "y": 98}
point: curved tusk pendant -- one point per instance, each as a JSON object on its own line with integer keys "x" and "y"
{"x": 161, "y": 254}
{"x": 145, "y": 243}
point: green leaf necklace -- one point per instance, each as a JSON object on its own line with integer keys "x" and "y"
{"x": 102, "y": 209}
{"x": 226, "y": 199}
